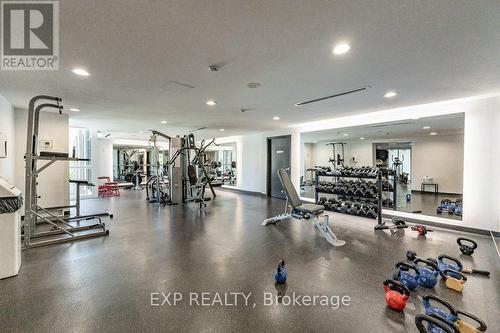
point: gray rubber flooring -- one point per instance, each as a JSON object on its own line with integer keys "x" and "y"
{"x": 105, "y": 284}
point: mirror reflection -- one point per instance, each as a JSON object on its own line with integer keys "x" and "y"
{"x": 221, "y": 163}
{"x": 420, "y": 162}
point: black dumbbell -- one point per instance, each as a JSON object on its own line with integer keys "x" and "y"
{"x": 371, "y": 213}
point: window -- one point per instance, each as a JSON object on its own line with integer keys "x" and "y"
{"x": 80, "y": 147}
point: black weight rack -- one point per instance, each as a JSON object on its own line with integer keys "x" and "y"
{"x": 379, "y": 182}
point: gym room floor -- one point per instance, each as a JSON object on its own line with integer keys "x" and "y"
{"x": 105, "y": 284}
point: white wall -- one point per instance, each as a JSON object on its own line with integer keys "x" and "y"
{"x": 53, "y": 186}
{"x": 440, "y": 157}
{"x": 429, "y": 155}
{"x": 252, "y": 158}
{"x": 7, "y": 130}
{"x": 482, "y": 165}
{"x": 101, "y": 159}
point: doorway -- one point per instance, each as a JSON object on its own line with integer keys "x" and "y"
{"x": 278, "y": 157}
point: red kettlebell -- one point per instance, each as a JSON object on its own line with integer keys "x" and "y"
{"x": 396, "y": 294}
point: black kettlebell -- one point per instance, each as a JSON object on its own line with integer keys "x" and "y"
{"x": 466, "y": 249}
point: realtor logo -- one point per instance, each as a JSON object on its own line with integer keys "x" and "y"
{"x": 30, "y": 35}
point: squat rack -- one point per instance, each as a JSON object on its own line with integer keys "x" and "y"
{"x": 338, "y": 159}
{"x": 62, "y": 231}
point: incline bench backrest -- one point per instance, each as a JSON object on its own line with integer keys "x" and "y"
{"x": 292, "y": 195}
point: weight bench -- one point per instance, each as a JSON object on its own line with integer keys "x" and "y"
{"x": 300, "y": 210}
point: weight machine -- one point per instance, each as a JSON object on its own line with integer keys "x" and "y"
{"x": 338, "y": 159}
{"x": 397, "y": 162}
{"x": 186, "y": 180}
{"x": 155, "y": 192}
{"x": 62, "y": 230}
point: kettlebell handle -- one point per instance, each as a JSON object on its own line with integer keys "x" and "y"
{"x": 406, "y": 266}
{"x": 462, "y": 239}
{"x": 397, "y": 286}
{"x": 482, "y": 325}
{"x": 438, "y": 322}
{"x": 446, "y": 271}
{"x": 427, "y": 304}
{"x": 427, "y": 263}
{"x": 444, "y": 256}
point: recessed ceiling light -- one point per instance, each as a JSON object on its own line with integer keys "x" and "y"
{"x": 221, "y": 130}
{"x": 426, "y": 127}
{"x": 390, "y": 94}
{"x": 345, "y": 134}
{"x": 341, "y": 48}
{"x": 80, "y": 71}
{"x": 276, "y": 118}
{"x": 211, "y": 102}
{"x": 361, "y": 138}
{"x": 163, "y": 121}
{"x": 433, "y": 133}
{"x": 74, "y": 110}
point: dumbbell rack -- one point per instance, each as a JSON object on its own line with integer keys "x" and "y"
{"x": 378, "y": 177}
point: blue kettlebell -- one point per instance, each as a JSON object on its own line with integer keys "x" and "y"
{"x": 428, "y": 273}
{"x": 450, "y": 315}
{"x": 434, "y": 324}
{"x": 281, "y": 274}
{"x": 451, "y": 264}
{"x": 407, "y": 274}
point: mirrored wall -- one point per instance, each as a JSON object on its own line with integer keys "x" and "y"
{"x": 420, "y": 161}
{"x": 220, "y": 163}
{"x": 131, "y": 161}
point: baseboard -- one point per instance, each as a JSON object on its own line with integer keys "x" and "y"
{"x": 237, "y": 190}
{"x": 421, "y": 220}
{"x": 431, "y": 192}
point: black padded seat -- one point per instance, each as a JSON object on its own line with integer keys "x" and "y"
{"x": 310, "y": 209}
{"x": 81, "y": 182}
{"x": 294, "y": 198}
{"x": 78, "y": 181}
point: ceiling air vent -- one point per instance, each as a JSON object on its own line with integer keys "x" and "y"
{"x": 177, "y": 87}
{"x": 333, "y": 96}
{"x": 391, "y": 124}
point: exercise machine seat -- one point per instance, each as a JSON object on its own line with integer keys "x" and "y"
{"x": 81, "y": 182}
{"x": 294, "y": 198}
{"x": 312, "y": 209}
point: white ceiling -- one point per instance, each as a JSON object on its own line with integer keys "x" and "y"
{"x": 451, "y": 124}
{"x": 426, "y": 50}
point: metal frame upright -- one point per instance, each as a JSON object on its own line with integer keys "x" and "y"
{"x": 62, "y": 231}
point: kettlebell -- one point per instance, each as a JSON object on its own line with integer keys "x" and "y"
{"x": 435, "y": 324}
{"x": 446, "y": 262}
{"x": 465, "y": 327}
{"x": 396, "y": 294}
{"x": 466, "y": 249}
{"x": 281, "y": 274}
{"x": 451, "y": 263}
{"x": 449, "y": 313}
{"x": 407, "y": 274}
{"x": 428, "y": 273}
{"x": 452, "y": 282}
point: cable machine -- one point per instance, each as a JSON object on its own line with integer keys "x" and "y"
{"x": 338, "y": 159}
{"x": 187, "y": 177}
{"x": 62, "y": 230}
